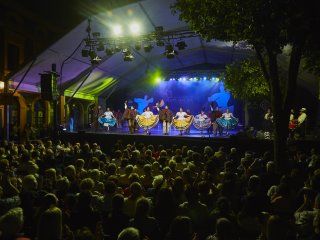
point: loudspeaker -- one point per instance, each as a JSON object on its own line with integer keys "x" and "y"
{"x": 49, "y": 86}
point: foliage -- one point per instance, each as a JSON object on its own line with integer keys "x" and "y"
{"x": 245, "y": 80}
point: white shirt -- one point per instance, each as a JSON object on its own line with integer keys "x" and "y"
{"x": 108, "y": 114}
{"x": 302, "y": 118}
{"x": 227, "y": 116}
{"x": 181, "y": 115}
{"x": 202, "y": 117}
{"x": 147, "y": 114}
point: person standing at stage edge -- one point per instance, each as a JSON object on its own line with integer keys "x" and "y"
{"x": 165, "y": 115}
{"x": 130, "y": 114}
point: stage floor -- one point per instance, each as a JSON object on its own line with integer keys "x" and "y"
{"x": 157, "y": 131}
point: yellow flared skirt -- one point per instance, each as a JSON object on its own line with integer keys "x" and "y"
{"x": 144, "y": 122}
{"x": 182, "y": 124}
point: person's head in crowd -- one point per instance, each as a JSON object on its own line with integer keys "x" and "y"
{"x": 63, "y": 185}
{"x": 84, "y": 234}
{"x": 29, "y": 183}
{"x": 223, "y": 205}
{"x": 208, "y": 151}
{"x": 254, "y": 184}
{"x": 49, "y": 200}
{"x": 128, "y": 169}
{"x": 181, "y": 228}
{"x": 50, "y": 224}
{"x": 117, "y": 203}
{"x": 167, "y": 173}
{"x": 148, "y": 153}
{"x": 110, "y": 188}
{"x": 129, "y": 233}
{"x": 79, "y": 164}
{"x": 86, "y": 184}
{"x": 134, "y": 177}
{"x": 11, "y": 223}
{"x": 155, "y": 167}
{"x": 142, "y": 208}
{"x": 158, "y": 181}
{"x": 173, "y": 165}
{"x": 95, "y": 175}
{"x": 147, "y": 170}
{"x": 112, "y": 169}
{"x": 70, "y": 172}
{"x": 136, "y": 190}
{"x": 95, "y": 163}
{"x": 225, "y": 229}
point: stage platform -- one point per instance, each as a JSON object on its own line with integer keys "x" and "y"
{"x": 107, "y": 139}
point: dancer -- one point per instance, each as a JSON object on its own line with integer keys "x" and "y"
{"x": 201, "y": 121}
{"x": 107, "y": 119}
{"x": 215, "y": 114}
{"x": 187, "y": 131}
{"x": 147, "y": 120}
{"x": 227, "y": 121}
{"x": 182, "y": 120}
{"x": 130, "y": 115}
{"x": 166, "y": 117}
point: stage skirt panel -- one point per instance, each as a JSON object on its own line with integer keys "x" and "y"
{"x": 201, "y": 124}
{"x": 144, "y": 122}
{"x": 107, "y": 121}
{"x": 227, "y": 123}
{"x": 183, "y": 124}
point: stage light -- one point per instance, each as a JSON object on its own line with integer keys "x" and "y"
{"x": 158, "y": 80}
{"x": 135, "y": 28}
{"x": 109, "y": 52}
{"x": 181, "y": 45}
{"x": 127, "y": 55}
{"x": 85, "y": 53}
{"x": 170, "y": 52}
{"x": 117, "y": 30}
{"x": 147, "y": 48}
{"x": 205, "y": 78}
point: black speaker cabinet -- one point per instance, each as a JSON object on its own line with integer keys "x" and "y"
{"x": 48, "y": 86}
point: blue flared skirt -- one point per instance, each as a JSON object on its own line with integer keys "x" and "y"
{"x": 107, "y": 121}
{"x": 227, "y": 123}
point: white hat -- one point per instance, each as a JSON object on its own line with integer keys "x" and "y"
{"x": 303, "y": 109}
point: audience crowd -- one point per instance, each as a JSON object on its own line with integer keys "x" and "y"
{"x": 79, "y": 192}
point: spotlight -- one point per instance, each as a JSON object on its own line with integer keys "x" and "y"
{"x": 95, "y": 60}
{"x": 117, "y": 30}
{"x": 147, "y": 48}
{"x": 135, "y": 28}
{"x": 137, "y": 46}
{"x": 109, "y": 52}
{"x": 85, "y": 53}
{"x": 127, "y": 55}
{"x": 170, "y": 52}
{"x": 181, "y": 45}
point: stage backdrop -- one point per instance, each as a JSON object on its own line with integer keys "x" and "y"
{"x": 190, "y": 95}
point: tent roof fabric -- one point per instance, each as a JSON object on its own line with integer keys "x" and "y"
{"x": 113, "y": 71}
